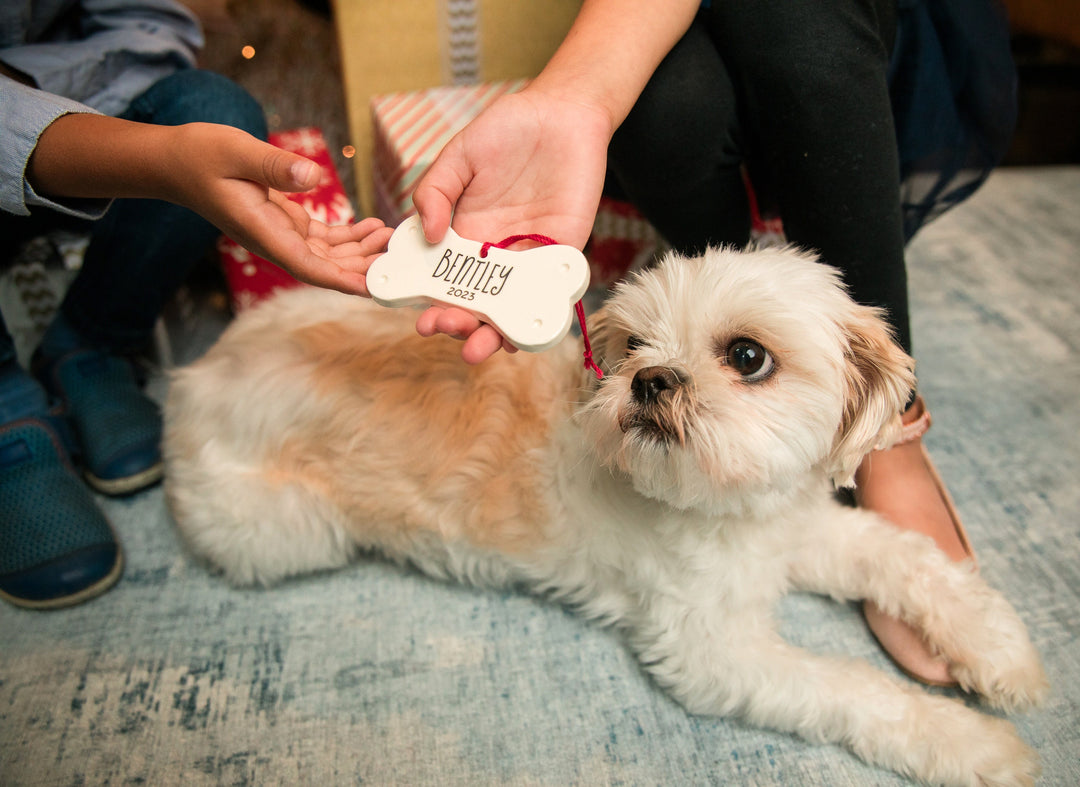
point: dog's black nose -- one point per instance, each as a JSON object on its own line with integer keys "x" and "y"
{"x": 650, "y": 382}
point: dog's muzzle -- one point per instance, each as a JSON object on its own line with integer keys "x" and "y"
{"x": 652, "y": 382}
{"x": 658, "y": 404}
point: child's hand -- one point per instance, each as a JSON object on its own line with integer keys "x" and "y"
{"x": 239, "y": 188}
{"x": 227, "y": 176}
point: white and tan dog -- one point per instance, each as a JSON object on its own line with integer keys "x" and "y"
{"x": 679, "y": 498}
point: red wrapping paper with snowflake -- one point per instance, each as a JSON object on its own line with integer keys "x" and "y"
{"x": 251, "y": 278}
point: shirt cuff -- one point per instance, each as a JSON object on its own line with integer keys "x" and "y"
{"x": 25, "y": 113}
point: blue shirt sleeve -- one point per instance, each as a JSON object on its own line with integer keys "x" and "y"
{"x": 24, "y": 114}
{"x": 110, "y": 52}
{"x": 95, "y": 59}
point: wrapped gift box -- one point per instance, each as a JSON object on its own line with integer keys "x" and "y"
{"x": 251, "y": 278}
{"x": 389, "y": 46}
{"x": 621, "y": 241}
{"x": 411, "y": 128}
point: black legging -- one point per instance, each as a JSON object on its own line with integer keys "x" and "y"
{"x": 797, "y": 91}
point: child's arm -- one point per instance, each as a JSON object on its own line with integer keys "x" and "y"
{"x": 223, "y": 174}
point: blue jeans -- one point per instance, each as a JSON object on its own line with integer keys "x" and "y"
{"x": 141, "y": 251}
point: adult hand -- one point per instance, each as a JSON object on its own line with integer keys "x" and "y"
{"x": 532, "y": 162}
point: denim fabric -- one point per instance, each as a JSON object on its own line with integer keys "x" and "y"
{"x": 142, "y": 250}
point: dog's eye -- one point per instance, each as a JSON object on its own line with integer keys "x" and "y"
{"x": 634, "y": 343}
{"x": 749, "y": 359}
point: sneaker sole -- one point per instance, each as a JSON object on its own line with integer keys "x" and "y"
{"x": 117, "y": 487}
{"x": 85, "y": 594}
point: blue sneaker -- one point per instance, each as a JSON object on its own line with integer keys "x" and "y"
{"x": 118, "y": 426}
{"x": 56, "y": 547}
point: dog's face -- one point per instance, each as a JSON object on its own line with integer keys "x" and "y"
{"x": 732, "y": 376}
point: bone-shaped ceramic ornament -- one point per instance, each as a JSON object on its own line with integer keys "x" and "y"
{"x": 528, "y": 295}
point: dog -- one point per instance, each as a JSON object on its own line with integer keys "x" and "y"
{"x": 678, "y": 498}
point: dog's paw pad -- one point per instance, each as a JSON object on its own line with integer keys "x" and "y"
{"x": 528, "y": 296}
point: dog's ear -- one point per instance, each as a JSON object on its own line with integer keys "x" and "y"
{"x": 878, "y": 380}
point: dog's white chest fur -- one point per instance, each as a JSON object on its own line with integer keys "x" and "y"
{"x": 677, "y": 498}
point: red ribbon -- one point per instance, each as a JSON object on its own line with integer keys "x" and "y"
{"x": 544, "y": 240}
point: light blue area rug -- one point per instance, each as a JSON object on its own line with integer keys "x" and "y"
{"x": 376, "y": 675}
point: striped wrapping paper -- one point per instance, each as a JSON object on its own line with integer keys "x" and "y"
{"x": 410, "y": 130}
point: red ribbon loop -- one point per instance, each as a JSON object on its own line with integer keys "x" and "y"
{"x": 544, "y": 240}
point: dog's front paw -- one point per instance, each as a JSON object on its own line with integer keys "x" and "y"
{"x": 1010, "y": 681}
{"x": 961, "y": 747}
{"x": 1003, "y": 759}
{"x": 988, "y": 648}
{"x": 997, "y": 659}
